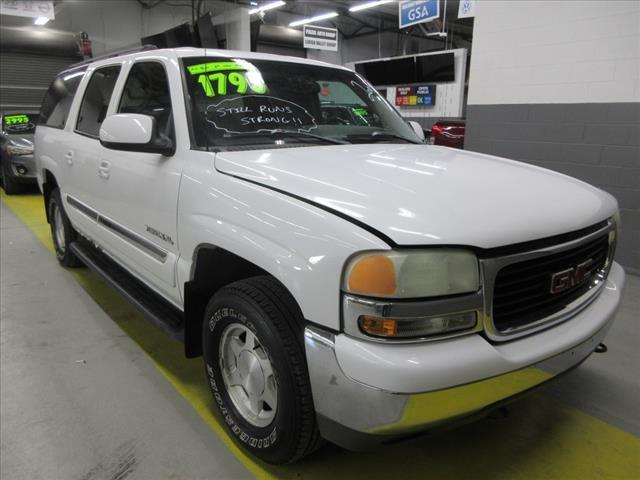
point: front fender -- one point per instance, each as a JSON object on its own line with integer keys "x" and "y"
{"x": 302, "y": 246}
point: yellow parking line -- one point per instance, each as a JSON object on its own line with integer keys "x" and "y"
{"x": 540, "y": 439}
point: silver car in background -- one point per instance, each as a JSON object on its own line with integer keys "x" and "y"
{"x": 17, "y": 163}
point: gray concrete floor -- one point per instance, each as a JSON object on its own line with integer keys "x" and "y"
{"x": 80, "y": 400}
{"x": 607, "y": 385}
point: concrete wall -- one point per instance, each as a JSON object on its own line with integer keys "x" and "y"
{"x": 557, "y": 84}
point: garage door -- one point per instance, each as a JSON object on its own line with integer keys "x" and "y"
{"x": 24, "y": 77}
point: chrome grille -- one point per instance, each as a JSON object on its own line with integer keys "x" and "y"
{"x": 522, "y": 291}
{"x": 518, "y": 286}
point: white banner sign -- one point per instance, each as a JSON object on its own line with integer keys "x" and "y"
{"x": 321, "y": 38}
{"x": 467, "y": 9}
{"x": 27, "y": 8}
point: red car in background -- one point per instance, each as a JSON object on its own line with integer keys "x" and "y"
{"x": 448, "y": 133}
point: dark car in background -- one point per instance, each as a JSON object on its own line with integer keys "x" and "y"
{"x": 17, "y": 163}
{"x": 448, "y": 133}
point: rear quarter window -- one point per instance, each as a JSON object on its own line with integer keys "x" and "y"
{"x": 59, "y": 97}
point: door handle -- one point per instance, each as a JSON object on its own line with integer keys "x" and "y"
{"x": 104, "y": 169}
{"x": 69, "y": 157}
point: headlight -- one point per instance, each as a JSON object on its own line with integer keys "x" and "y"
{"x": 412, "y": 273}
{"x": 18, "y": 150}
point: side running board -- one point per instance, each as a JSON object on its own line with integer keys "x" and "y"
{"x": 156, "y": 309}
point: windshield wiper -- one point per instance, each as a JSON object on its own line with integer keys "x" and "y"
{"x": 380, "y": 135}
{"x": 290, "y": 133}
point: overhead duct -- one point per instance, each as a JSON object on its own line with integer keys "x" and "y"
{"x": 40, "y": 41}
{"x": 29, "y": 60}
{"x": 280, "y": 36}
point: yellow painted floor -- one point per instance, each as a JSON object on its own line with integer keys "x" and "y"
{"x": 539, "y": 439}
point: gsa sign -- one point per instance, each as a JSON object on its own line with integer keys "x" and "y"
{"x": 412, "y": 13}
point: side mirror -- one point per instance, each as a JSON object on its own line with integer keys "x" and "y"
{"x": 417, "y": 128}
{"x": 133, "y": 132}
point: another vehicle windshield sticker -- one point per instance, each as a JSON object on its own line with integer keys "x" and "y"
{"x": 362, "y": 112}
{"x": 17, "y": 123}
{"x": 259, "y": 113}
{"x": 16, "y": 119}
{"x": 228, "y": 77}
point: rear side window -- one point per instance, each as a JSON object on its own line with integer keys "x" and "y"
{"x": 96, "y": 100}
{"x": 58, "y": 99}
{"x": 147, "y": 92}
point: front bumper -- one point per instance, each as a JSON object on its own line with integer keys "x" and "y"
{"x": 367, "y": 393}
{"x": 22, "y": 168}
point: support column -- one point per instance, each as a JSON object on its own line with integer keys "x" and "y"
{"x": 237, "y": 27}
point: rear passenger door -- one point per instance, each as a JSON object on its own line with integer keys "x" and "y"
{"x": 53, "y": 135}
{"x": 83, "y": 154}
{"x": 136, "y": 193}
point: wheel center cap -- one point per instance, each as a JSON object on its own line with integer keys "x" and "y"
{"x": 251, "y": 372}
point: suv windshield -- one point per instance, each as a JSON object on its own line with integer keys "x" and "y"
{"x": 242, "y": 103}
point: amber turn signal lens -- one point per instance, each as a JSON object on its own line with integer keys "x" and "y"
{"x": 380, "y": 327}
{"x": 373, "y": 275}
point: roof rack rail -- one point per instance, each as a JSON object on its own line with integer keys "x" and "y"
{"x": 115, "y": 53}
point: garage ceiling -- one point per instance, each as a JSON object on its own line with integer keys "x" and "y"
{"x": 383, "y": 18}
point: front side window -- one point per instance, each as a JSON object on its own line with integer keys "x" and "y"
{"x": 58, "y": 99}
{"x": 147, "y": 92}
{"x": 240, "y": 103}
{"x": 96, "y": 100}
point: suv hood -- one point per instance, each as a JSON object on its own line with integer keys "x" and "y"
{"x": 426, "y": 195}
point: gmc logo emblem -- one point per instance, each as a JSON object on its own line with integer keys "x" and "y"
{"x": 570, "y": 277}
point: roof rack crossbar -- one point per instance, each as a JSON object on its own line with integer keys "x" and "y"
{"x": 115, "y": 53}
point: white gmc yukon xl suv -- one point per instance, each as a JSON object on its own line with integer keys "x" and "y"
{"x": 341, "y": 279}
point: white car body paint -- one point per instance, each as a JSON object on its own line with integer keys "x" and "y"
{"x": 429, "y": 195}
{"x": 301, "y": 213}
{"x": 127, "y": 128}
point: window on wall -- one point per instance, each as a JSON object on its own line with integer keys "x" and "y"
{"x": 147, "y": 92}
{"x": 96, "y": 100}
{"x": 58, "y": 99}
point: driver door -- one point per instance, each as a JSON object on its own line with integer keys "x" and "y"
{"x": 138, "y": 192}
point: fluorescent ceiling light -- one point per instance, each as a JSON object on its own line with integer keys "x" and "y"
{"x": 41, "y": 20}
{"x": 266, "y": 6}
{"x": 317, "y": 18}
{"x": 366, "y": 5}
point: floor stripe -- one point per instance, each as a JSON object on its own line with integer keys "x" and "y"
{"x": 539, "y": 439}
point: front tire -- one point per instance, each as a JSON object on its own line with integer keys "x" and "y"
{"x": 10, "y": 186}
{"x": 62, "y": 232}
{"x": 256, "y": 367}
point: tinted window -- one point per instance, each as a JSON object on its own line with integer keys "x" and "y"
{"x": 147, "y": 92}
{"x": 96, "y": 100}
{"x": 436, "y": 68}
{"x": 389, "y": 72}
{"x": 57, "y": 101}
